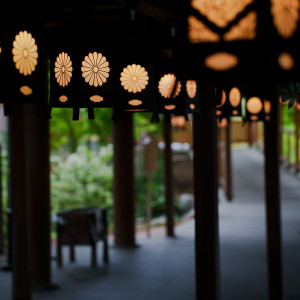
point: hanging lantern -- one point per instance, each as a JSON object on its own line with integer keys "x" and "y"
{"x": 81, "y": 67}
{"x": 137, "y": 68}
{"x": 192, "y": 97}
{"x": 223, "y": 40}
{"x": 178, "y": 122}
{"x": 228, "y": 102}
{"x": 21, "y": 58}
{"x": 254, "y": 106}
{"x": 242, "y": 41}
{"x": 267, "y": 108}
{"x": 284, "y": 34}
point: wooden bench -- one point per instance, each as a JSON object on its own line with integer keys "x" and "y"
{"x": 82, "y": 227}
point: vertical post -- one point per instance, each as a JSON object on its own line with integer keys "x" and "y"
{"x": 206, "y": 200}
{"x": 20, "y": 217}
{"x": 1, "y": 207}
{"x": 280, "y": 133}
{"x": 36, "y": 150}
{"x": 272, "y": 198}
{"x": 124, "y": 196}
{"x": 296, "y": 115}
{"x": 228, "y": 163}
{"x": 168, "y": 177}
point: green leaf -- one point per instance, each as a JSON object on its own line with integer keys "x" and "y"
{"x": 292, "y": 87}
{"x": 292, "y": 102}
{"x": 285, "y": 98}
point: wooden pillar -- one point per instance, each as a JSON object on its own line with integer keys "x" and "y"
{"x": 296, "y": 115}
{"x": 21, "y": 212}
{"x": 206, "y": 200}
{"x": 272, "y": 198}
{"x": 124, "y": 196}
{"x": 228, "y": 163}
{"x": 168, "y": 177}
{"x": 36, "y": 150}
{"x": 1, "y": 207}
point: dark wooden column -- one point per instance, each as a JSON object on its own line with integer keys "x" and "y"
{"x": 124, "y": 196}
{"x": 36, "y": 150}
{"x": 21, "y": 211}
{"x": 296, "y": 116}
{"x": 228, "y": 163}
{"x": 272, "y": 198}
{"x": 206, "y": 200}
{"x": 1, "y": 210}
{"x": 168, "y": 177}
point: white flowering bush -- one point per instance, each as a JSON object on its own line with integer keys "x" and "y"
{"x": 82, "y": 179}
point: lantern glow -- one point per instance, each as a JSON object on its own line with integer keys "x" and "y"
{"x": 134, "y": 78}
{"x": 95, "y": 69}
{"x": 25, "y": 53}
{"x": 96, "y": 98}
{"x": 286, "y": 61}
{"x": 235, "y": 97}
{"x": 254, "y": 105}
{"x": 221, "y": 61}
{"x": 63, "y": 69}
{"x": 166, "y": 86}
{"x": 285, "y": 16}
{"x": 26, "y": 90}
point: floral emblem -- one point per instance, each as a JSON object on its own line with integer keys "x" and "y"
{"x": 191, "y": 88}
{"x": 63, "y": 69}
{"x": 166, "y": 86}
{"x": 25, "y": 53}
{"x": 285, "y": 16}
{"x": 134, "y": 78}
{"x": 95, "y": 69}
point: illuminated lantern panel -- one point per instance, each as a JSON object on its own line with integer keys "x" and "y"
{"x": 95, "y": 69}
{"x": 285, "y": 15}
{"x": 25, "y": 53}
{"x": 96, "y": 98}
{"x": 235, "y": 97}
{"x": 254, "y": 105}
{"x": 267, "y": 106}
{"x": 220, "y": 12}
{"x": 223, "y": 99}
{"x": 191, "y": 88}
{"x": 135, "y": 102}
{"x": 286, "y": 61}
{"x": 178, "y": 121}
{"x": 221, "y": 61}
{"x": 166, "y": 86}
{"x": 222, "y": 123}
{"x": 26, "y": 90}
{"x": 170, "y": 107}
{"x": 198, "y": 32}
{"x": 134, "y": 78}
{"x": 245, "y": 29}
{"x": 63, "y": 98}
{"x": 192, "y": 106}
{"x": 63, "y": 69}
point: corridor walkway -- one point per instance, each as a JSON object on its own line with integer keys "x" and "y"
{"x": 163, "y": 268}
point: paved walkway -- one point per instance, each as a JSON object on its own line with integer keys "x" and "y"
{"x": 163, "y": 268}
